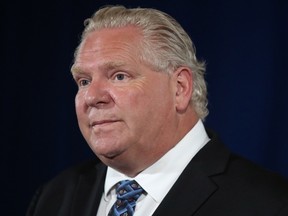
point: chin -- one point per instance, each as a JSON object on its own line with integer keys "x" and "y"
{"x": 107, "y": 154}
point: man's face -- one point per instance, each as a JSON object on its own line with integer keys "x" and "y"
{"x": 125, "y": 110}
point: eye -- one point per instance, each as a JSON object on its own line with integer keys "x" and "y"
{"x": 83, "y": 82}
{"x": 120, "y": 76}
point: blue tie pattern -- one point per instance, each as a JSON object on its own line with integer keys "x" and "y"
{"x": 128, "y": 191}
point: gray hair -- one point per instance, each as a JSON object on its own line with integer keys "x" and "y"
{"x": 166, "y": 45}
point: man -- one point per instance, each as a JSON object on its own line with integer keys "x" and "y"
{"x": 140, "y": 105}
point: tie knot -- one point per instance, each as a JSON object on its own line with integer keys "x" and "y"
{"x": 128, "y": 189}
{"x": 128, "y": 192}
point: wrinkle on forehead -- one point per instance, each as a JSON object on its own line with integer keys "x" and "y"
{"x": 132, "y": 32}
{"x": 121, "y": 43}
{"x": 107, "y": 65}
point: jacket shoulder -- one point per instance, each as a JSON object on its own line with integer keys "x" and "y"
{"x": 59, "y": 191}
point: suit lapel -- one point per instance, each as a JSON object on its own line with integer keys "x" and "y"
{"x": 192, "y": 189}
{"x": 194, "y": 186}
{"x": 89, "y": 191}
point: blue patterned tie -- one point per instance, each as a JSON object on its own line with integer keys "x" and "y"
{"x": 128, "y": 191}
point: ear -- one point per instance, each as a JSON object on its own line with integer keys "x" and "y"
{"x": 184, "y": 87}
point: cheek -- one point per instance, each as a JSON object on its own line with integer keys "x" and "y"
{"x": 126, "y": 98}
{"x": 81, "y": 116}
{"x": 77, "y": 103}
{"x": 140, "y": 105}
{"x": 79, "y": 106}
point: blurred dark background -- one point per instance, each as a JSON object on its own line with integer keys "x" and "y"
{"x": 245, "y": 45}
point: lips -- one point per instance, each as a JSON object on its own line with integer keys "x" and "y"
{"x": 102, "y": 123}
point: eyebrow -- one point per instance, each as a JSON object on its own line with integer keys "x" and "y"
{"x": 111, "y": 65}
{"x": 106, "y": 66}
{"x": 74, "y": 70}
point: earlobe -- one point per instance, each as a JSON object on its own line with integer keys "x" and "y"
{"x": 184, "y": 88}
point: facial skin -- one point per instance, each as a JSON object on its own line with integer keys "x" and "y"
{"x": 126, "y": 111}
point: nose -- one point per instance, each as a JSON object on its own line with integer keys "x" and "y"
{"x": 97, "y": 95}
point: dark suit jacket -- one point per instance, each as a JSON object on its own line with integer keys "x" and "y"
{"x": 216, "y": 182}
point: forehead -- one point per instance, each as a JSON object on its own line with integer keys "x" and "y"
{"x": 122, "y": 37}
{"x": 115, "y": 43}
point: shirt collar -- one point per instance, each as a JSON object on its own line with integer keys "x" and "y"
{"x": 157, "y": 179}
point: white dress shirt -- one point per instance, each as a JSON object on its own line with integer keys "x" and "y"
{"x": 157, "y": 179}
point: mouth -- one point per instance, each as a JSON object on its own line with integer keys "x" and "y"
{"x": 102, "y": 123}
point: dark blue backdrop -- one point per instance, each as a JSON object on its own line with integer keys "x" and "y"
{"x": 244, "y": 43}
